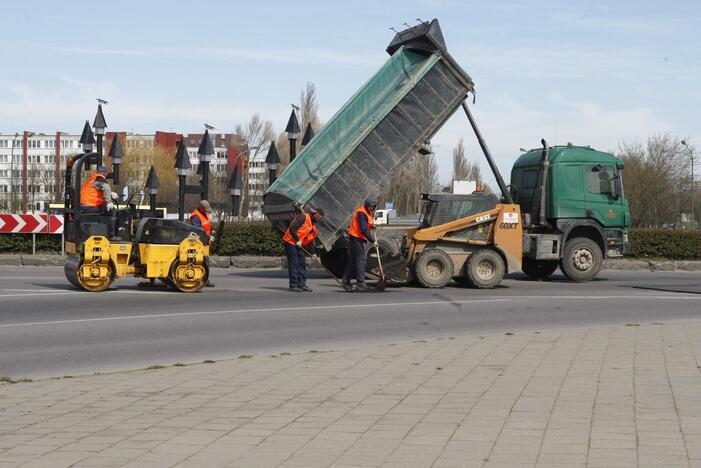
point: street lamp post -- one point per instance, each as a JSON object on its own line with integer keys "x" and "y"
{"x": 308, "y": 134}
{"x": 205, "y": 153}
{"x": 87, "y": 140}
{"x": 152, "y": 185}
{"x": 693, "y": 183}
{"x": 182, "y": 168}
{"x": 235, "y": 186}
{"x": 99, "y": 124}
{"x": 292, "y": 131}
{"x": 116, "y": 154}
{"x": 272, "y": 159}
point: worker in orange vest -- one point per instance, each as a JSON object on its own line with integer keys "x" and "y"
{"x": 359, "y": 233}
{"x": 96, "y": 195}
{"x": 299, "y": 236}
{"x": 200, "y": 217}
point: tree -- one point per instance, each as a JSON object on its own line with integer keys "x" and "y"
{"x": 134, "y": 170}
{"x": 252, "y": 136}
{"x": 460, "y": 164}
{"x": 464, "y": 169}
{"x": 419, "y": 175}
{"x": 656, "y": 180}
{"x": 308, "y": 113}
{"x": 309, "y": 108}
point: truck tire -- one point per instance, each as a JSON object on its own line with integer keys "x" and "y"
{"x": 485, "y": 269}
{"x": 539, "y": 269}
{"x": 581, "y": 259}
{"x": 433, "y": 268}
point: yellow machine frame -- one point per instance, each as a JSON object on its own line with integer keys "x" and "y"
{"x": 183, "y": 266}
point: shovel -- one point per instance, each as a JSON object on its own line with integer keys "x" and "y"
{"x": 382, "y": 279}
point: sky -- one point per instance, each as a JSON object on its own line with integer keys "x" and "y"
{"x": 593, "y": 73}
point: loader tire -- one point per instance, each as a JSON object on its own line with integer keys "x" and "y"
{"x": 433, "y": 268}
{"x": 581, "y": 259}
{"x": 539, "y": 269}
{"x": 485, "y": 269}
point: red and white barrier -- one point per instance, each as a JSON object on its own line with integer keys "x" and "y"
{"x": 31, "y": 224}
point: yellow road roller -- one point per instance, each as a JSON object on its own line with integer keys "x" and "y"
{"x": 101, "y": 247}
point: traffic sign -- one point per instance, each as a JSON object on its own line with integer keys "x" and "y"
{"x": 31, "y": 224}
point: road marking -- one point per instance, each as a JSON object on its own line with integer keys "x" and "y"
{"x": 40, "y": 294}
{"x": 242, "y": 311}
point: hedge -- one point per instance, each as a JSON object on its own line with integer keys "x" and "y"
{"x": 22, "y": 243}
{"x": 665, "y": 243}
{"x": 250, "y": 239}
{"x": 259, "y": 238}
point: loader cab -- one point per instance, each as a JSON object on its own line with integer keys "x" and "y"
{"x": 441, "y": 208}
{"x": 582, "y": 183}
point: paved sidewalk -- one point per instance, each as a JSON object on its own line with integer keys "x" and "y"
{"x": 609, "y": 396}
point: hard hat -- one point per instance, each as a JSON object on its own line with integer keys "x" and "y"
{"x": 372, "y": 201}
{"x": 102, "y": 169}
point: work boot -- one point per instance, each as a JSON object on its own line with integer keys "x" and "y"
{"x": 293, "y": 289}
{"x": 306, "y": 288}
{"x": 362, "y": 287}
{"x": 347, "y": 287}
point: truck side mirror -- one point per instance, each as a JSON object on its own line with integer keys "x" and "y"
{"x": 617, "y": 190}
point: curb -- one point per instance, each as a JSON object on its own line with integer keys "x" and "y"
{"x": 251, "y": 261}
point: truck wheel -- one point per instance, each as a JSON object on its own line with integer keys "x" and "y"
{"x": 433, "y": 268}
{"x": 581, "y": 259}
{"x": 485, "y": 269}
{"x": 539, "y": 269}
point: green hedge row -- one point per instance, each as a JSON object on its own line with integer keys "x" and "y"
{"x": 22, "y": 243}
{"x": 665, "y": 243}
{"x": 260, "y": 239}
{"x": 250, "y": 239}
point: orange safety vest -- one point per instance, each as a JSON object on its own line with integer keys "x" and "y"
{"x": 306, "y": 233}
{"x": 354, "y": 228}
{"x": 90, "y": 195}
{"x": 205, "y": 223}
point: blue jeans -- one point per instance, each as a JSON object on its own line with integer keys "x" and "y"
{"x": 296, "y": 266}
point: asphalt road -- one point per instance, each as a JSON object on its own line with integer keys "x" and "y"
{"x": 48, "y": 328}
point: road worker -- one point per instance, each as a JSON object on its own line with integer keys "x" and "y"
{"x": 200, "y": 218}
{"x": 359, "y": 233}
{"x": 96, "y": 196}
{"x": 298, "y": 238}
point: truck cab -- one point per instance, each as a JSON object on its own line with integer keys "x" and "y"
{"x": 570, "y": 195}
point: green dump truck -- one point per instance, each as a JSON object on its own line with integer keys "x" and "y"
{"x": 573, "y": 212}
{"x": 573, "y": 208}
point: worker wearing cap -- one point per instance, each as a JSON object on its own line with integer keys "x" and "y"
{"x": 200, "y": 218}
{"x": 298, "y": 237}
{"x": 359, "y": 233}
{"x": 96, "y": 194}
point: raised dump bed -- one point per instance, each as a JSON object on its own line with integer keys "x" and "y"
{"x": 382, "y": 126}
